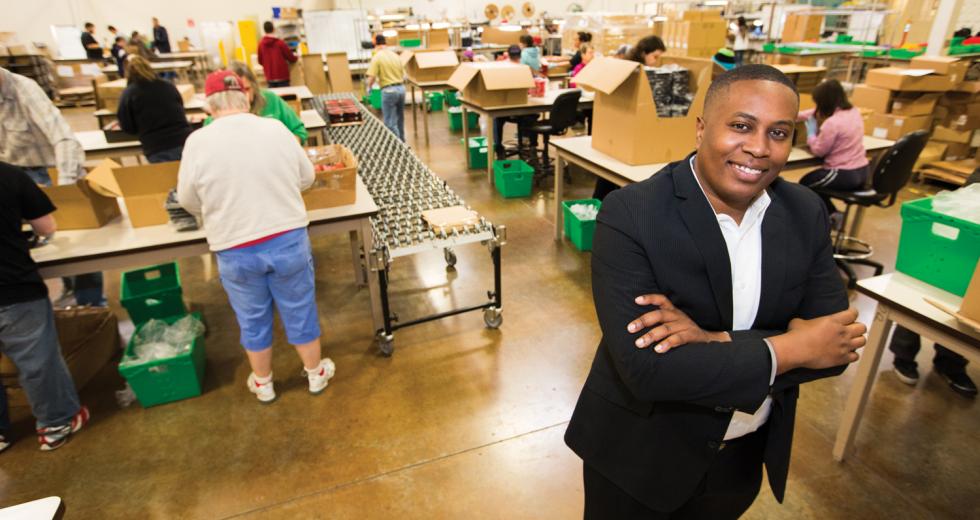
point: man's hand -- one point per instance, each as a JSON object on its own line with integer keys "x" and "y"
{"x": 671, "y": 327}
{"x": 823, "y": 342}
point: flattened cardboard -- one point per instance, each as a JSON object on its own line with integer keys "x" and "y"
{"x": 335, "y": 187}
{"x": 625, "y": 115}
{"x": 143, "y": 188}
{"x": 948, "y": 65}
{"x": 877, "y": 99}
{"x": 498, "y": 36}
{"x": 949, "y": 135}
{"x": 895, "y": 78}
{"x": 888, "y": 126}
{"x": 914, "y": 104}
{"x": 424, "y": 66}
{"x": 493, "y": 84}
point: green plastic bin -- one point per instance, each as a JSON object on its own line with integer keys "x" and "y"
{"x": 513, "y": 178}
{"x": 904, "y": 54}
{"x": 435, "y": 101}
{"x": 167, "y": 380}
{"x": 938, "y": 249}
{"x": 579, "y": 231}
{"x": 456, "y": 119}
{"x": 152, "y": 292}
{"x": 477, "y": 148}
{"x": 374, "y": 98}
{"x": 451, "y": 98}
{"x": 410, "y": 43}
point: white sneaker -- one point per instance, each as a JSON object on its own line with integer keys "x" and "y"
{"x": 320, "y": 376}
{"x": 264, "y": 391}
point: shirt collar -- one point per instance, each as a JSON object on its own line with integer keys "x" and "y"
{"x": 755, "y": 210}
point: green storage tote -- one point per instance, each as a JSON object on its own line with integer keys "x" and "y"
{"x": 374, "y": 98}
{"x": 166, "y": 380}
{"x": 451, "y": 97}
{"x": 938, "y": 249}
{"x": 435, "y": 101}
{"x": 410, "y": 43}
{"x": 456, "y": 119}
{"x": 477, "y": 148}
{"x": 579, "y": 231}
{"x": 513, "y": 178}
{"x": 152, "y": 292}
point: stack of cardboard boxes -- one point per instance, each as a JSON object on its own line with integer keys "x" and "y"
{"x": 957, "y": 121}
{"x": 802, "y": 27}
{"x": 699, "y": 34}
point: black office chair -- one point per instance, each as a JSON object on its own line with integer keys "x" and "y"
{"x": 891, "y": 174}
{"x": 563, "y": 115}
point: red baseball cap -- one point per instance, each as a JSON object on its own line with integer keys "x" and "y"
{"x": 221, "y": 81}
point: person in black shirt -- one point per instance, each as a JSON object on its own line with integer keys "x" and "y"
{"x": 580, "y": 38}
{"x": 93, "y": 51}
{"x": 27, "y": 331}
{"x": 161, "y": 40}
{"x": 119, "y": 54}
{"x": 152, "y": 109}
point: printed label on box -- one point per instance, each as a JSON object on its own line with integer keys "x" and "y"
{"x": 880, "y": 133}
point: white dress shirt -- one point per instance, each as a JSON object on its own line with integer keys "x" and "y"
{"x": 744, "y": 242}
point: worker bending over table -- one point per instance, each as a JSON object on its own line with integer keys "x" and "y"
{"x": 717, "y": 295}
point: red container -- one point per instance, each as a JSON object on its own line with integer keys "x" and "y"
{"x": 540, "y": 84}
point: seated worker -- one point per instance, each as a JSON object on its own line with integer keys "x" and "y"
{"x": 648, "y": 51}
{"x": 588, "y": 53}
{"x": 530, "y": 54}
{"x": 27, "y": 331}
{"x": 266, "y": 103}
{"x": 152, "y": 109}
{"x": 260, "y": 240}
{"x": 580, "y": 38}
{"x": 513, "y": 56}
{"x": 835, "y": 132}
{"x": 684, "y": 403}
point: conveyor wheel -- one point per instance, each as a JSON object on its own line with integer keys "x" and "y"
{"x": 450, "y": 256}
{"x": 386, "y": 344}
{"x": 493, "y": 317}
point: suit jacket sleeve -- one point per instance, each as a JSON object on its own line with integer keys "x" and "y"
{"x": 715, "y": 374}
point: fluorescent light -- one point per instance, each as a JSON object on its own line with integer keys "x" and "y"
{"x": 716, "y": 3}
{"x": 390, "y": 33}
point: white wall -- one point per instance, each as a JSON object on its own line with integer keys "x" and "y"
{"x": 969, "y": 16}
{"x": 31, "y": 19}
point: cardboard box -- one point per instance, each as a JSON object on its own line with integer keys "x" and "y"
{"x": 877, "y": 99}
{"x": 625, "y": 121}
{"x": 437, "y": 39}
{"x": 958, "y": 151}
{"x": 143, "y": 188}
{"x": 499, "y": 36}
{"x": 947, "y": 65}
{"x": 493, "y": 84}
{"x": 79, "y": 206}
{"x": 107, "y": 93}
{"x": 888, "y": 126}
{"x": 802, "y": 27}
{"x": 934, "y": 151}
{"x": 963, "y": 122}
{"x": 949, "y": 135}
{"x": 905, "y": 104}
{"x": 970, "y": 87}
{"x": 429, "y": 66}
{"x": 896, "y": 78}
{"x": 701, "y": 14}
{"x": 333, "y": 187}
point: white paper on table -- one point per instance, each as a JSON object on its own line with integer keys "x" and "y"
{"x": 90, "y": 69}
{"x": 65, "y": 71}
{"x": 917, "y": 72}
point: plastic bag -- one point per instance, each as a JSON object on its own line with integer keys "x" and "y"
{"x": 158, "y": 340}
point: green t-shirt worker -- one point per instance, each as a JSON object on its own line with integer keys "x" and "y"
{"x": 267, "y": 104}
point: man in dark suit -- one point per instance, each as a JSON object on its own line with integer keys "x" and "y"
{"x": 748, "y": 305}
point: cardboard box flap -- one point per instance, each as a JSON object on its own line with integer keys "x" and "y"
{"x": 463, "y": 75}
{"x": 103, "y": 181}
{"x": 507, "y": 77}
{"x": 430, "y": 60}
{"x": 605, "y": 74}
{"x": 147, "y": 179}
{"x": 406, "y": 56}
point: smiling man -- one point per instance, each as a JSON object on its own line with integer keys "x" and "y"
{"x": 685, "y": 402}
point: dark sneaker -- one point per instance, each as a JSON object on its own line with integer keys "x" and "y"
{"x": 960, "y": 383}
{"x": 907, "y": 375}
{"x": 53, "y": 437}
{"x": 4, "y": 444}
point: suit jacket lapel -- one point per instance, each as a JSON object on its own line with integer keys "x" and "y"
{"x": 703, "y": 226}
{"x": 774, "y": 239}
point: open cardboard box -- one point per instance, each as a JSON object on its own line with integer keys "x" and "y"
{"x": 494, "y": 84}
{"x": 79, "y": 205}
{"x": 143, "y": 188}
{"x": 947, "y": 65}
{"x": 429, "y": 66}
{"x": 897, "y": 78}
{"x": 332, "y": 187}
{"x": 625, "y": 115}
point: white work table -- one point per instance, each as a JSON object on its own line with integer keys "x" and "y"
{"x": 579, "y": 151}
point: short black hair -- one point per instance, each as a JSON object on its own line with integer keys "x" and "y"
{"x": 89, "y": 25}
{"x": 268, "y": 27}
{"x": 111, "y": 28}
{"x": 584, "y": 36}
{"x": 751, "y": 72}
{"x": 118, "y": 38}
{"x": 526, "y": 40}
{"x": 829, "y": 95}
{"x": 513, "y": 51}
{"x": 380, "y": 40}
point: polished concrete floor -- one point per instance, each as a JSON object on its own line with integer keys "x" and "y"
{"x": 462, "y": 422}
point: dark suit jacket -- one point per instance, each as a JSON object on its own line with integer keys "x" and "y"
{"x": 649, "y": 422}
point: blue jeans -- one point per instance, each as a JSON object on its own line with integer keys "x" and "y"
{"x": 168, "y": 155}
{"x": 87, "y": 287}
{"x": 280, "y": 272}
{"x": 28, "y": 337}
{"x": 393, "y": 109}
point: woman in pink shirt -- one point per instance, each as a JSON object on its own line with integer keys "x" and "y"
{"x": 839, "y": 140}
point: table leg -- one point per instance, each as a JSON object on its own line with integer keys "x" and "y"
{"x": 374, "y": 289}
{"x": 857, "y": 398}
{"x": 425, "y": 118}
{"x": 559, "y": 189}
{"x": 466, "y": 138}
{"x": 415, "y": 122}
{"x": 490, "y": 145}
{"x": 360, "y": 277}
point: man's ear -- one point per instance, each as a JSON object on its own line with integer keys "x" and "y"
{"x": 700, "y": 132}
